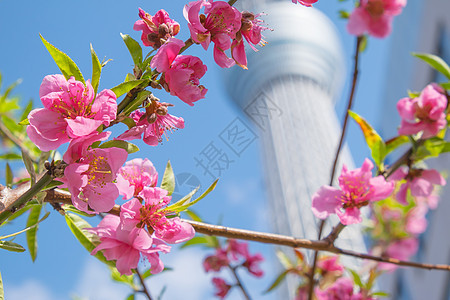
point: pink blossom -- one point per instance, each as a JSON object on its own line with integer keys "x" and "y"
{"x": 153, "y": 124}
{"x": 91, "y": 172}
{"x": 305, "y": 2}
{"x": 419, "y": 181}
{"x": 166, "y": 54}
{"x": 134, "y": 176}
{"x": 183, "y": 78}
{"x": 154, "y": 216}
{"x": 374, "y": 17}
{"x": 416, "y": 222}
{"x": 330, "y": 264}
{"x": 251, "y": 30}
{"x": 181, "y": 72}
{"x": 341, "y": 289}
{"x": 157, "y": 27}
{"x": 400, "y": 249}
{"x": 236, "y": 249}
{"x": 126, "y": 246}
{"x": 71, "y": 110}
{"x": 357, "y": 189}
{"x": 222, "y": 287}
{"x": 425, "y": 113}
{"x": 302, "y": 293}
{"x": 217, "y": 261}
{"x": 220, "y": 24}
{"x": 252, "y": 264}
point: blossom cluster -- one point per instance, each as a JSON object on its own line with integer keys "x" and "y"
{"x": 400, "y": 202}
{"x": 374, "y": 17}
{"x": 145, "y": 225}
{"x": 234, "y": 255}
{"x": 330, "y": 276}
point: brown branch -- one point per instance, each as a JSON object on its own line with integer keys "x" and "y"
{"x": 338, "y": 152}
{"x": 267, "y": 238}
{"x": 239, "y": 283}
{"x": 144, "y": 287}
{"x": 333, "y": 235}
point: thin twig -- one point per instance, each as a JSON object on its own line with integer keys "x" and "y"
{"x": 338, "y": 152}
{"x": 239, "y": 283}
{"x": 144, "y": 287}
{"x": 9, "y": 135}
{"x": 333, "y": 235}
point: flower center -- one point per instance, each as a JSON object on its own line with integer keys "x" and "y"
{"x": 375, "y": 8}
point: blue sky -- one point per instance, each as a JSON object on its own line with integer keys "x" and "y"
{"x": 63, "y": 268}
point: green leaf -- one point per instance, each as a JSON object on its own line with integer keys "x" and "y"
{"x": 380, "y": 294}
{"x": 196, "y": 240}
{"x": 168, "y": 181}
{"x": 187, "y": 205}
{"x": 2, "y": 293}
{"x": 9, "y": 105}
{"x": 445, "y": 85}
{"x": 133, "y": 105}
{"x": 134, "y": 48}
{"x": 356, "y": 278}
{"x": 63, "y": 61}
{"x": 51, "y": 185}
{"x": 125, "y": 87}
{"x": 394, "y": 143}
{"x": 96, "y": 70}
{"x": 277, "y": 281}
{"x": 431, "y": 148}
{"x": 130, "y": 297}
{"x": 412, "y": 94}
{"x": 202, "y": 240}
{"x": 29, "y": 166}
{"x": 9, "y": 90}
{"x": 129, "y": 147}
{"x": 10, "y": 156}
{"x": 126, "y": 279}
{"x": 184, "y": 200}
{"x": 12, "y": 125}
{"x": 8, "y": 175}
{"x": 71, "y": 208}
{"x": 343, "y": 14}
{"x": 435, "y": 62}
{"x": 193, "y": 215}
{"x": 87, "y": 239}
{"x": 27, "y": 228}
{"x": 148, "y": 273}
{"x": 33, "y": 220}
{"x": 26, "y": 112}
{"x": 363, "y": 43}
{"x": 373, "y": 140}
{"x": 24, "y": 122}
{"x": 284, "y": 259}
{"x": 20, "y": 212}
{"x": 10, "y": 246}
{"x": 129, "y": 122}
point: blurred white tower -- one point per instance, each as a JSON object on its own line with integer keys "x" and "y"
{"x": 288, "y": 92}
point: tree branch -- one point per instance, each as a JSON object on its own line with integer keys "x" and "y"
{"x": 338, "y": 152}
{"x": 144, "y": 287}
{"x": 61, "y": 196}
{"x": 239, "y": 283}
